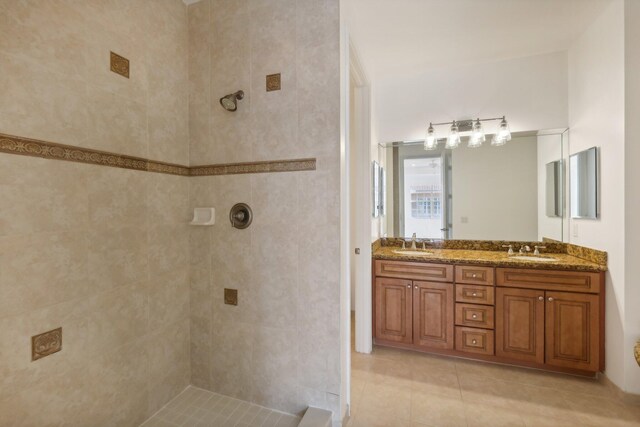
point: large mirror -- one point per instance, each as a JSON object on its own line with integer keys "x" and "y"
{"x": 510, "y": 192}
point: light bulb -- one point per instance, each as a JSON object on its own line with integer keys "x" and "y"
{"x": 503, "y": 134}
{"x": 430, "y": 142}
{"x": 497, "y": 142}
{"x": 454, "y": 137}
{"x": 477, "y": 135}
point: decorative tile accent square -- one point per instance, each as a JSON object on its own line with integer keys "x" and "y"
{"x": 231, "y": 296}
{"x": 119, "y": 65}
{"x": 46, "y": 343}
{"x": 273, "y": 82}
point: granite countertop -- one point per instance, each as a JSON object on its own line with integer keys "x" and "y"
{"x": 491, "y": 259}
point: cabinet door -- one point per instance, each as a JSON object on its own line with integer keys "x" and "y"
{"x": 520, "y": 324}
{"x": 433, "y": 314}
{"x": 394, "y": 310}
{"x": 572, "y": 334}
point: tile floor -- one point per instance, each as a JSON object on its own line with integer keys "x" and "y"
{"x": 195, "y": 407}
{"x": 397, "y": 388}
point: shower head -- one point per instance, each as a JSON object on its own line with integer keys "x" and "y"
{"x": 230, "y": 102}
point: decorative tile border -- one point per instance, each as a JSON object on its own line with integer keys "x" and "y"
{"x": 51, "y": 150}
{"x": 255, "y": 167}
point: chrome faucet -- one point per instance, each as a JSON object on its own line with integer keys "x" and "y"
{"x": 510, "y": 251}
{"x": 524, "y": 249}
{"x": 536, "y": 251}
{"x": 413, "y": 242}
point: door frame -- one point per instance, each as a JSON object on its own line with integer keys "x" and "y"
{"x": 362, "y": 201}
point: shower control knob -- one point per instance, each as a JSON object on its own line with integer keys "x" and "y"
{"x": 240, "y": 216}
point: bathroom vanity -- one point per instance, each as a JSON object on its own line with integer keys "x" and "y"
{"x": 545, "y": 312}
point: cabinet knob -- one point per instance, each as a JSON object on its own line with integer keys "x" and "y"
{"x": 473, "y": 275}
{"x": 474, "y": 316}
{"x": 550, "y": 298}
{"x": 474, "y": 294}
{"x": 540, "y": 298}
{"x": 415, "y": 287}
{"x": 474, "y": 341}
{"x": 409, "y": 285}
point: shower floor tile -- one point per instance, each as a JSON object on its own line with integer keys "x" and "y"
{"x": 195, "y": 407}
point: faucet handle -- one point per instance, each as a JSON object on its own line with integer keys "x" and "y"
{"x": 536, "y": 251}
{"x": 403, "y": 244}
{"x": 510, "y": 251}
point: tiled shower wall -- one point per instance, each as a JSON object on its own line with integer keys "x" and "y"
{"x": 100, "y": 251}
{"x": 280, "y": 346}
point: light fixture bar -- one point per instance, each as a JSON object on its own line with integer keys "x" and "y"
{"x": 468, "y": 120}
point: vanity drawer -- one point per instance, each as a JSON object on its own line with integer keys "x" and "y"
{"x": 474, "y": 275}
{"x": 553, "y": 280}
{"x": 476, "y": 316}
{"x": 414, "y": 270}
{"x": 473, "y": 340}
{"x": 475, "y": 294}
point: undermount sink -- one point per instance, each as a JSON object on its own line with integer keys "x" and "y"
{"x": 413, "y": 253}
{"x": 533, "y": 258}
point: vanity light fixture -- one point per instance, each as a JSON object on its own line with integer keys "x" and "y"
{"x": 477, "y": 134}
{"x": 453, "y": 140}
{"x": 431, "y": 141}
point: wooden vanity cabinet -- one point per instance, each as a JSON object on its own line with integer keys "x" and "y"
{"x": 433, "y": 315}
{"x": 394, "y": 310}
{"x": 415, "y": 312}
{"x": 546, "y": 325}
{"x": 520, "y": 324}
{"x": 572, "y": 330}
{"x": 540, "y": 318}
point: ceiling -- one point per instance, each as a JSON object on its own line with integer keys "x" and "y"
{"x": 395, "y": 37}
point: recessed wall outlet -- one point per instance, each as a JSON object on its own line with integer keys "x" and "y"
{"x": 119, "y": 65}
{"x": 273, "y": 82}
{"x": 47, "y": 343}
{"x": 231, "y": 296}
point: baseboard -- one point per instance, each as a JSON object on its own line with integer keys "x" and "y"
{"x": 628, "y": 398}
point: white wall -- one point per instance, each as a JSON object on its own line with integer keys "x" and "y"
{"x": 531, "y": 91}
{"x": 632, "y": 192}
{"x": 597, "y": 118}
{"x": 509, "y": 211}
{"x": 549, "y": 150}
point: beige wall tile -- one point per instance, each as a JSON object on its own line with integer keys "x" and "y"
{"x": 101, "y": 252}
{"x": 168, "y": 248}
{"x": 283, "y": 285}
{"x": 168, "y": 295}
{"x": 117, "y": 197}
{"x": 42, "y": 269}
{"x": 116, "y": 124}
{"x": 117, "y": 255}
{"x": 35, "y": 105}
